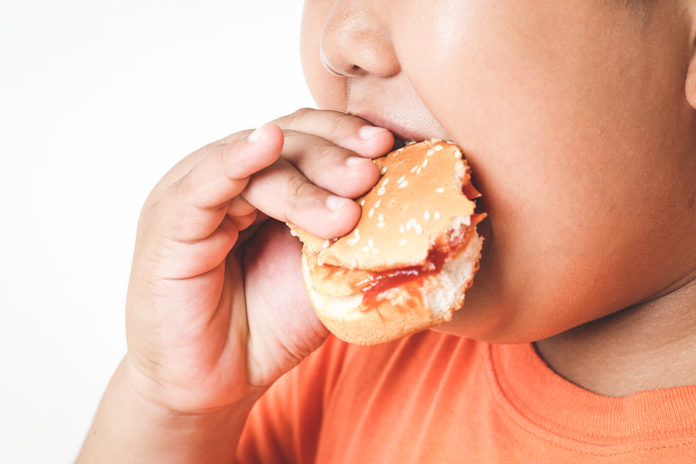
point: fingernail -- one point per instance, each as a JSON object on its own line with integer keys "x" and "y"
{"x": 254, "y": 136}
{"x": 333, "y": 202}
{"x": 353, "y": 160}
{"x": 367, "y": 132}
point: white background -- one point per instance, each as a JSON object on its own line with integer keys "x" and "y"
{"x": 97, "y": 100}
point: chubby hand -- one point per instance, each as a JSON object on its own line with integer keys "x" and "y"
{"x": 212, "y": 317}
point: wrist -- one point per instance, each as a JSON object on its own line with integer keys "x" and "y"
{"x": 184, "y": 402}
{"x": 131, "y": 427}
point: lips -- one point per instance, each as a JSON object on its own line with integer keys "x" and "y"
{"x": 402, "y": 134}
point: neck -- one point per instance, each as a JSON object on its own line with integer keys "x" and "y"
{"x": 644, "y": 347}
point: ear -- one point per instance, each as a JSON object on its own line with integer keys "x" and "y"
{"x": 691, "y": 81}
{"x": 690, "y": 84}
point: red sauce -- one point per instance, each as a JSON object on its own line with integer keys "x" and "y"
{"x": 379, "y": 282}
{"x": 382, "y": 281}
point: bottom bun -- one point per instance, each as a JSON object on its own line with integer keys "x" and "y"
{"x": 400, "y": 310}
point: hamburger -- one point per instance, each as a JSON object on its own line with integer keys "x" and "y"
{"x": 412, "y": 255}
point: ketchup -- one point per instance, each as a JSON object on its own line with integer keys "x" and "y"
{"x": 379, "y": 282}
{"x": 382, "y": 281}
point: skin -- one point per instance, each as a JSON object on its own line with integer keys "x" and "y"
{"x": 578, "y": 120}
{"x": 584, "y": 151}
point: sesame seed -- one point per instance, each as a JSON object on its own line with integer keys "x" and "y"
{"x": 414, "y": 168}
{"x": 437, "y": 147}
{"x": 366, "y": 249}
{"x": 356, "y": 232}
{"x": 403, "y": 184}
{"x": 440, "y": 190}
{"x": 411, "y": 223}
{"x": 381, "y": 224}
{"x": 430, "y": 152}
{"x": 362, "y": 202}
{"x": 385, "y": 182}
{"x": 403, "y": 242}
{"x": 354, "y": 263}
{"x": 325, "y": 244}
{"x": 401, "y": 228}
{"x": 426, "y": 215}
{"x": 425, "y": 162}
{"x": 383, "y": 170}
{"x": 379, "y": 202}
{"x": 380, "y": 191}
{"x": 418, "y": 228}
{"x": 370, "y": 243}
{"x": 380, "y": 216}
{"x": 371, "y": 213}
{"x": 352, "y": 241}
{"x": 458, "y": 154}
{"x": 401, "y": 179}
{"x": 437, "y": 215}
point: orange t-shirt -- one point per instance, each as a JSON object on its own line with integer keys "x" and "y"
{"x": 439, "y": 398}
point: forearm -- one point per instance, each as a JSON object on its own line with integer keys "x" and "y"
{"x": 127, "y": 428}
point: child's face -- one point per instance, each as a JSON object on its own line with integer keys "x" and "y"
{"x": 574, "y": 119}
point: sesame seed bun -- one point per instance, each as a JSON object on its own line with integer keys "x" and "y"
{"x": 410, "y": 259}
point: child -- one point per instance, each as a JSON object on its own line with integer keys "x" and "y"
{"x": 577, "y": 342}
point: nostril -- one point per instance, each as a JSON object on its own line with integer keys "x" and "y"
{"x": 355, "y": 43}
{"x": 356, "y": 70}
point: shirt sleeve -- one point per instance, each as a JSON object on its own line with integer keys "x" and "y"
{"x": 284, "y": 426}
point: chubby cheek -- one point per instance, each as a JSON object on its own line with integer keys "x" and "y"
{"x": 561, "y": 154}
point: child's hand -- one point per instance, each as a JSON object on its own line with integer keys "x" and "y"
{"x": 210, "y": 316}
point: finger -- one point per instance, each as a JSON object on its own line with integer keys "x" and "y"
{"x": 245, "y": 234}
{"x": 283, "y": 193}
{"x": 243, "y": 222}
{"x": 329, "y": 166}
{"x": 240, "y": 207}
{"x": 344, "y": 130}
{"x": 185, "y": 165}
{"x": 196, "y": 205}
{"x": 200, "y": 257}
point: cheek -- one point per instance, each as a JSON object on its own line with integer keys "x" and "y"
{"x": 562, "y": 136}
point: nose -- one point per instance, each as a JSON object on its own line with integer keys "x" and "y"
{"x": 355, "y": 42}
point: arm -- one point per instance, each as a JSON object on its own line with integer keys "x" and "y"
{"x": 129, "y": 428}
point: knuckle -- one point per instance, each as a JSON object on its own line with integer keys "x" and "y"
{"x": 225, "y": 157}
{"x": 340, "y": 125}
{"x": 185, "y": 185}
{"x": 297, "y": 189}
{"x": 293, "y": 119}
{"x": 325, "y": 150}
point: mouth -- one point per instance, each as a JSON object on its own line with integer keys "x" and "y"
{"x": 403, "y": 134}
{"x": 401, "y": 142}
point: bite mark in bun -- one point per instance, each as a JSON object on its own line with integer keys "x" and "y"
{"x": 410, "y": 259}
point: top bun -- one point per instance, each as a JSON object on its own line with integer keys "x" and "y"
{"x": 417, "y": 199}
